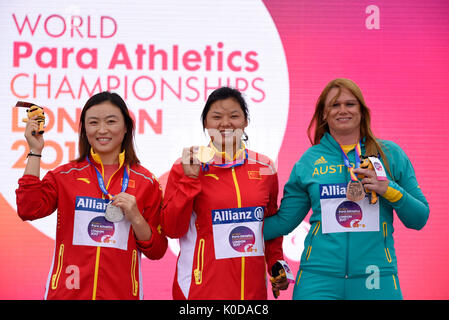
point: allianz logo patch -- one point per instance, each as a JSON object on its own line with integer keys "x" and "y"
{"x": 90, "y": 204}
{"x": 237, "y": 215}
{"x": 335, "y": 190}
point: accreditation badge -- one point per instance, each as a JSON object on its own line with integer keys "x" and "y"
{"x": 338, "y": 214}
{"x": 238, "y": 232}
{"x": 90, "y": 227}
{"x": 379, "y": 168}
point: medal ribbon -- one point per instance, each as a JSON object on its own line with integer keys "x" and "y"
{"x": 235, "y": 163}
{"x": 100, "y": 179}
{"x": 358, "y": 155}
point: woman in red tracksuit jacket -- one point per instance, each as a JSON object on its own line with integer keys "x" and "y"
{"x": 97, "y": 253}
{"x": 216, "y": 209}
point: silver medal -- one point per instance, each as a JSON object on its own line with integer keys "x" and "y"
{"x": 113, "y": 213}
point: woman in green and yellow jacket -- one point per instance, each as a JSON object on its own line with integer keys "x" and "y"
{"x": 349, "y": 251}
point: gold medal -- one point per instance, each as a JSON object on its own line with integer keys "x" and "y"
{"x": 355, "y": 191}
{"x": 205, "y": 154}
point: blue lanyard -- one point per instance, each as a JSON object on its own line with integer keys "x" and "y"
{"x": 358, "y": 154}
{"x": 101, "y": 180}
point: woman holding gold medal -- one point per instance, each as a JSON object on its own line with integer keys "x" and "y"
{"x": 349, "y": 251}
{"x": 108, "y": 206}
{"x": 215, "y": 203}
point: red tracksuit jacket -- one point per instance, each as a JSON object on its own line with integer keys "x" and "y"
{"x": 218, "y": 219}
{"x": 93, "y": 258}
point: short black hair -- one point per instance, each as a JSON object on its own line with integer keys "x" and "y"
{"x": 128, "y": 139}
{"x": 222, "y": 94}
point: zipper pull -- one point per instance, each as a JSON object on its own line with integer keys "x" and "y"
{"x": 197, "y": 275}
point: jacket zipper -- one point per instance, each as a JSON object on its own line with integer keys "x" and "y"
{"x": 347, "y": 255}
{"x": 97, "y": 256}
{"x": 242, "y": 263}
{"x": 347, "y": 233}
{"x": 134, "y": 282}
{"x": 385, "y": 232}
{"x": 314, "y": 232}
{"x": 97, "y": 265}
{"x": 55, "y": 276}
{"x": 198, "y": 272}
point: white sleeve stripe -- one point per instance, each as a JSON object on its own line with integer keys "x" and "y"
{"x": 141, "y": 174}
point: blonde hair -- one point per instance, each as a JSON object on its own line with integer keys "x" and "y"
{"x": 318, "y": 126}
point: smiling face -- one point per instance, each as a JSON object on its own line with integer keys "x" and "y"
{"x": 105, "y": 130}
{"x": 343, "y": 115}
{"x": 225, "y": 123}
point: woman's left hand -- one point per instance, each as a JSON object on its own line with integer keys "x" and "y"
{"x": 371, "y": 182}
{"x": 128, "y": 204}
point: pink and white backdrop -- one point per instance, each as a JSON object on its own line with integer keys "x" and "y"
{"x": 165, "y": 57}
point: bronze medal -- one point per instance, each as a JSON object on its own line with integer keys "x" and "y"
{"x": 355, "y": 191}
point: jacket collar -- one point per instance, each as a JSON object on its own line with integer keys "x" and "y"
{"x": 240, "y": 154}
{"x": 96, "y": 157}
{"x": 329, "y": 141}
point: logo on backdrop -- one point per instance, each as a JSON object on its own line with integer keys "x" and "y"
{"x": 59, "y": 56}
